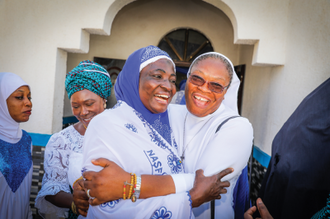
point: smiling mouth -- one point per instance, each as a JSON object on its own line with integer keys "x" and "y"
{"x": 162, "y": 97}
{"x": 200, "y": 99}
{"x": 88, "y": 120}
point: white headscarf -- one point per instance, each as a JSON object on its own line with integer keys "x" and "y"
{"x": 9, "y": 128}
{"x": 230, "y": 98}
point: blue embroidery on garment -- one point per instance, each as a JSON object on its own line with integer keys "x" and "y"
{"x": 190, "y": 201}
{"x": 155, "y": 137}
{"x": 174, "y": 163}
{"x": 111, "y": 204}
{"x": 163, "y": 128}
{"x": 156, "y": 165}
{"x": 118, "y": 104}
{"x": 151, "y": 52}
{"x": 15, "y": 160}
{"x": 175, "y": 144}
{"x": 158, "y": 140}
{"x": 162, "y": 213}
{"x": 83, "y": 170}
{"x": 131, "y": 127}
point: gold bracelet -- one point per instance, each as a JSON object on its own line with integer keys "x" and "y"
{"x": 73, "y": 208}
{"x": 131, "y": 188}
{"x": 76, "y": 181}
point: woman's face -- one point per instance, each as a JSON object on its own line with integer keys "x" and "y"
{"x": 200, "y": 100}
{"x": 157, "y": 85}
{"x": 85, "y": 104}
{"x": 19, "y": 104}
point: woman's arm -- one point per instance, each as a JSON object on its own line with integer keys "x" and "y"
{"x": 61, "y": 199}
{"x": 104, "y": 185}
{"x": 55, "y": 195}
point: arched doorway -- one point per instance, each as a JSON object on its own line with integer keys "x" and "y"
{"x": 184, "y": 45}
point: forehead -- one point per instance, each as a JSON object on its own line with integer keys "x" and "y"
{"x": 21, "y": 89}
{"x": 161, "y": 64}
{"x": 211, "y": 67}
{"x": 84, "y": 95}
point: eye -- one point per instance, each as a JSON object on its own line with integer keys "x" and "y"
{"x": 75, "y": 107}
{"x": 157, "y": 76}
{"x": 19, "y": 97}
{"x": 30, "y": 98}
{"x": 89, "y": 104}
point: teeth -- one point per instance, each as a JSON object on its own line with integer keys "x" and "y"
{"x": 86, "y": 120}
{"x": 200, "y": 98}
{"x": 162, "y": 96}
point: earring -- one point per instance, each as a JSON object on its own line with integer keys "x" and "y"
{"x": 105, "y": 105}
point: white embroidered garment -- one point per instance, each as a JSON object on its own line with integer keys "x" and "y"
{"x": 62, "y": 164}
{"x": 122, "y": 135}
{"x": 213, "y": 152}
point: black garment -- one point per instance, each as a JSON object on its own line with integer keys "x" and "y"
{"x": 297, "y": 182}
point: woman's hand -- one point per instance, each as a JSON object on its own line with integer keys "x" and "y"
{"x": 103, "y": 186}
{"x": 264, "y": 213}
{"x": 80, "y": 198}
{"x": 208, "y": 188}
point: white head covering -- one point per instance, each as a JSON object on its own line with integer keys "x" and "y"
{"x": 230, "y": 98}
{"x": 9, "y": 128}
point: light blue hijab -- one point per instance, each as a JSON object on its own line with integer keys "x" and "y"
{"x": 127, "y": 87}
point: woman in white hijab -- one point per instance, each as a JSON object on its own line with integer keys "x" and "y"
{"x": 15, "y": 148}
{"x": 203, "y": 143}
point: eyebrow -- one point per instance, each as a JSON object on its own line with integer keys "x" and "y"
{"x": 86, "y": 100}
{"x": 163, "y": 71}
{"x": 216, "y": 78}
{"x": 22, "y": 91}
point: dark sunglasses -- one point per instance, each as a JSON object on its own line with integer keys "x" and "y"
{"x": 213, "y": 86}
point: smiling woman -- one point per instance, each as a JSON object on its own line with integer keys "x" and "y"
{"x": 15, "y": 148}
{"x": 157, "y": 85}
{"x": 88, "y": 85}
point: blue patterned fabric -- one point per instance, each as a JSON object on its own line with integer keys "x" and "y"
{"x": 91, "y": 76}
{"x": 15, "y": 160}
{"x": 127, "y": 89}
{"x": 241, "y": 195}
{"x": 324, "y": 213}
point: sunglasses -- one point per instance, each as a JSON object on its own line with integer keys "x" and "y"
{"x": 213, "y": 86}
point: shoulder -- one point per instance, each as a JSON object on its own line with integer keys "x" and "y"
{"x": 176, "y": 109}
{"x": 238, "y": 125}
{"x": 64, "y": 138}
{"x": 26, "y": 137}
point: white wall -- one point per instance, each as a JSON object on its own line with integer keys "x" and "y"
{"x": 272, "y": 93}
{"x": 290, "y": 36}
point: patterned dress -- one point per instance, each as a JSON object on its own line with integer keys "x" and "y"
{"x": 63, "y": 159}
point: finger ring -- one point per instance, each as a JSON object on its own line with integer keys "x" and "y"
{"x": 89, "y": 194}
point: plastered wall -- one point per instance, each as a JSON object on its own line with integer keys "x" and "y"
{"x": 285, "y": 45}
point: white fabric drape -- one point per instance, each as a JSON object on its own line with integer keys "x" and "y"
{"x": 122, "y": 135}
{"x": 212, "y": 152}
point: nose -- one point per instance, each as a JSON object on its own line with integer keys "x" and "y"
{"x": 167, "y": 85}
{"x": 84, "y": 111}
{"x": 204, "y": 87}
{"x": 28, "y": 102}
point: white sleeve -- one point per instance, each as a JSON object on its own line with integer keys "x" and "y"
{"x": 230, "y": 147}
{"x": 56, "y": 160}
{"x": 183, "y": 182}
